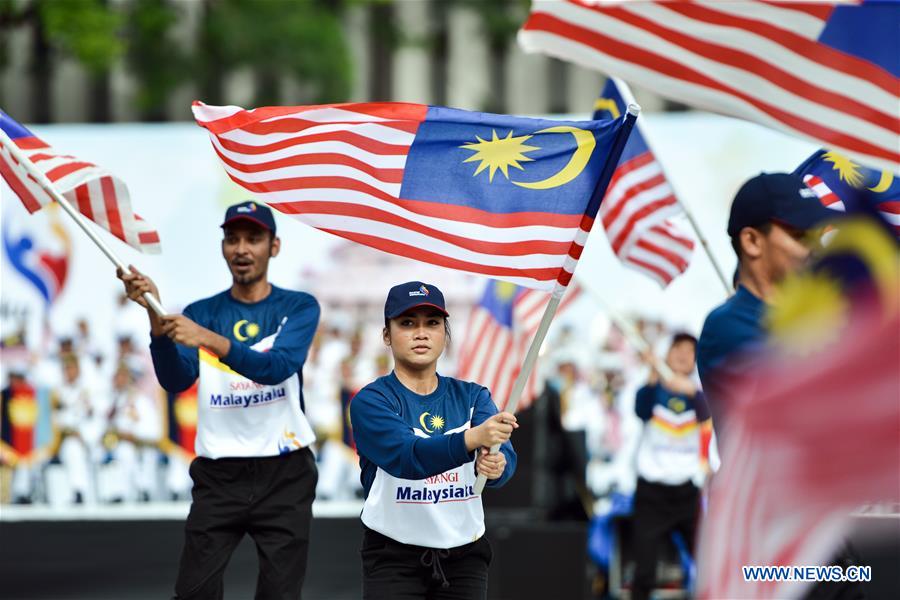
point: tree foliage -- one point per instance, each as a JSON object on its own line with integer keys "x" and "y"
{"x": 301, "y": 39}
{"x": 84, "y": 29}
{"x": 157, "y": 63}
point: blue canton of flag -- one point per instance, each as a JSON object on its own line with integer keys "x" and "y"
{"x": 842, "y": 184}
{"x": 503, "y": 164}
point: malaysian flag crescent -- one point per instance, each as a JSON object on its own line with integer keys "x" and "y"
{"x": 504, "y": 197}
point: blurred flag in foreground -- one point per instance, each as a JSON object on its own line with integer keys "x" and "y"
{"x": 842, "y": 184}
{"x": 812, "y": 434}
{"x": 504, "y": 197}
{"x": 498, "y": 334}
{"x": 639, "y": 201}
{"x": 93, "y": 191}
{"x": 824, "y": 71}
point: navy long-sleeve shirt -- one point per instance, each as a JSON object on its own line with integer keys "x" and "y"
{"x": 244, "y": 324}
{"x": 731, "y": 334}
{"x": 385, "y": 416}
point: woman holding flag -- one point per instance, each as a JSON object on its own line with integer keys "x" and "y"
{"x": 422, "y": 440}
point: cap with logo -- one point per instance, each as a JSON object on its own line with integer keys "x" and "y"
{"x": 410, "y": 295}
{"x": 250, "y": 211}
{"x": 780, "y": 197}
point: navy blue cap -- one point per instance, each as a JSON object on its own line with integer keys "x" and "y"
{"x": 250, "y": 211}
{"x": 413, "y": 294}
{"x": 780, "y": 197}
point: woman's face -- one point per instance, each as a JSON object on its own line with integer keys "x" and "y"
{"x": 416, "y": 338}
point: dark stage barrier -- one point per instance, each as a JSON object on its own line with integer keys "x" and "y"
{"x": 136, "y": 560}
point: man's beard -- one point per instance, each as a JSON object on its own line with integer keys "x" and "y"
{"x": 247, "y": 279}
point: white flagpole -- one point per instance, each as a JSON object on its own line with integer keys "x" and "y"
{"x": 527, "y": 367}
{"x": 628, "y": 98}
{"x": 80, "y": 219}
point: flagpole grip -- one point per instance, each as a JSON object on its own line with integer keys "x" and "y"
{"x": 42, "y": 180}
{"x": 527, "y": 367}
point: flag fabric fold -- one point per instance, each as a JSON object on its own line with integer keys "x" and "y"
{"x": 493, "y": 195}
{"x": 824, "y": 71}
{"x": 93, "y": 191}
{"x": 639, "y": 201}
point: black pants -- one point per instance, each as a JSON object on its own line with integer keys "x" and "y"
{"x": 269, "y": 498}
{"x": 395, "y": 571}
{"x": 658, "y": 510}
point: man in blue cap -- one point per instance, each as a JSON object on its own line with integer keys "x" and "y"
{"x": 772, "y": 226}
{"x": 771, "y": 218}
{"x": 254, "y": 473}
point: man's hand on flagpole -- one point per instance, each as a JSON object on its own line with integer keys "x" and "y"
{"x": 184, "y": 331}
{"x": 490, "y": 465}
{"x": 136, "y": 285}
{"x": 495, "y": 430}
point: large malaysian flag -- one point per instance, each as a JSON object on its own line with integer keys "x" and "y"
{"x": 824, "y": 71}
{"x": 504, "y": 197}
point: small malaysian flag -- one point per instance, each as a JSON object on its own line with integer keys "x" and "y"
{"x": 639, "y": 201}
{"x": 824, "y": 71}
{"x": 498, "y": 335}
{"x": 844, "y": 185}
{"x": 91, "y": 190}
{"x": 503, "y": 197}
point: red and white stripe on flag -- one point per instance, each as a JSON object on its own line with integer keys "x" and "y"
{"x": 492, "y": 354}
{"x": 826, "y": 196}
{"x": 755, "y": 60}
{"x": 889, "y": 210}
{"x": 92, "y": 190}
{"x": 662, "y": 252}
{"x": 635, "y": 214}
